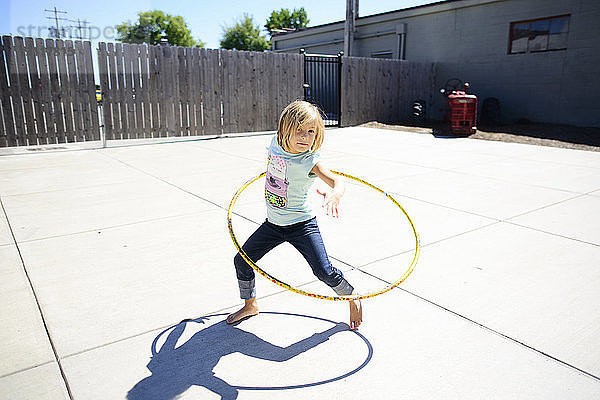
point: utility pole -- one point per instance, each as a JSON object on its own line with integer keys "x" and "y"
{"x": 349, "y": 28}
{"x": 79, "y": 27}
{"x": 56, "y": 12}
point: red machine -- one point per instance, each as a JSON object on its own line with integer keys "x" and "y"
{"x": 463, "y": 107}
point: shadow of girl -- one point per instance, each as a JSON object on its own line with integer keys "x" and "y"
{"x": 176, "y": 369}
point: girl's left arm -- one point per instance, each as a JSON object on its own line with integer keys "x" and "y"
{"x": 332, "y": 199}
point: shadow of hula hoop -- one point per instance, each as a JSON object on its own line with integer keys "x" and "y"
{"x": 300, "y": 386}
{"x": 314, "y": 295}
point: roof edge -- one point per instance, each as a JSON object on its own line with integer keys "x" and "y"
{"x": 452, "y": 4}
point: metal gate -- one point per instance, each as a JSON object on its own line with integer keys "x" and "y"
{"x": 322, "y": 77}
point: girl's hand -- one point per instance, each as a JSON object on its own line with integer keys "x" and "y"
{"x": 331, "y": 201}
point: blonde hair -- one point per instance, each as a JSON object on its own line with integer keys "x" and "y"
{"x": 296, "y": 115}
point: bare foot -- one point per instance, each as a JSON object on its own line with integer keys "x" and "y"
{"x": 355, "y": 314}
{"x": 250, "y": 309}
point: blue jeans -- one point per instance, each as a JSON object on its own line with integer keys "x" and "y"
{"x": 306, "y": 238}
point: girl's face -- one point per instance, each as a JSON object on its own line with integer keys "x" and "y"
{"x": 302, "y": 139}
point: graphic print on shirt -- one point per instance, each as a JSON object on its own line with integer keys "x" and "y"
{"x": 276, "y": 183}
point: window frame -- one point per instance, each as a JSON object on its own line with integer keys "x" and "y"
{"x": 530, "y": 21}
{"x": 380, "y": 53}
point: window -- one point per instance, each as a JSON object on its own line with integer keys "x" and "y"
{"x": 544, "y": 34}
{"x": 382, "y": 54}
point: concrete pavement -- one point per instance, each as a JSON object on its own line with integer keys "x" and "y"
{"x": 117, "y": 274}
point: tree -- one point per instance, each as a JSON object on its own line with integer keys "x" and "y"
{"x": 152, "y": 26}
{"x": 244, "y": 36}
{"x": 283, "y": 18}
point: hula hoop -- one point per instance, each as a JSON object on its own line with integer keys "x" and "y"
{"x": 314, "y": 295}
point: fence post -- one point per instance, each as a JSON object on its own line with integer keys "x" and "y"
{"x": 101, "y": 125}
{"x": 339, "y": 89}
{"x": 305, "y": 84}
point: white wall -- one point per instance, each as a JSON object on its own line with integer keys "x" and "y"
{"x": 469, "y": 40}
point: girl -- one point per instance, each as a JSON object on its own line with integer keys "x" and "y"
{"x": 293, "y": 164}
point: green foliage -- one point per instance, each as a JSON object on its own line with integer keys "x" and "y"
{"x": 244, "y": 35}
{"x": 286, "y": 19}
{"x": 152, "y": 26}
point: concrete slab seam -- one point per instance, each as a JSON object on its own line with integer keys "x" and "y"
{"x": 506, "y": 220}
{"x": 180, "y": 188}
{"x": 359, "y": 268}
{"x": 392, "y": 161}
{"x": 26, "y": 369}
{"x": 164, "y": 181}
{"x": 511, "y": 181}
{"x": 430, "y": 167}
{"x": 37, "y": 302}
{"x": 448, "y": 207}
{"x": 453, "y": 170}
{"x": 488, "y": 217}
{"x": 546, "y": 206}
{"x": 553, "y": 233}
{"x": 564, "y": 363}
{"x": 568, "y": 164}
{"x": 104, "y": 228}
{"x": 58, "y": 190}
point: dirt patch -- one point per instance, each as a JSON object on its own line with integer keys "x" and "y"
{"x": 554, "y": 135}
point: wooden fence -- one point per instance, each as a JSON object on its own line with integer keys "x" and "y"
{"x": 159, "y": 91}
{"x": 47, "y": 92}
{"x": 383, "y": 90}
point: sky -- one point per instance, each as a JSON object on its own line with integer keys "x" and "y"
{"x": 206, "y": 19}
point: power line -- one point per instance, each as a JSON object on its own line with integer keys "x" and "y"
{"x": 59, "y": 32}
{"x": 56, "y": 12}
{"x": 80, "y": 28}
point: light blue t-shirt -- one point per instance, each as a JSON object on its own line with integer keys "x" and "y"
{"x": 287, "y": 184}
